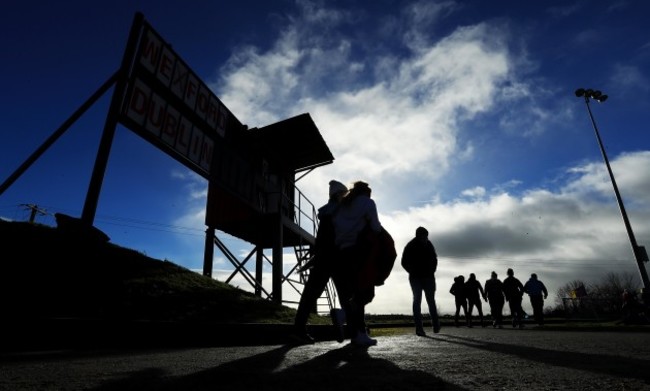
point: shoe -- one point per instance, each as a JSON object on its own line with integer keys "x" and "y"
{"x": 521, "y": 325}
{"x": 494, "y": 325}
{"x": 362, "y": 339}
{"x": 338, "y": 320}
{"x": 436, "y": 328}
{"x": 420, "y": 333}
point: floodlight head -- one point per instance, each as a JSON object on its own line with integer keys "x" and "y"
{"x": 589, "y": 93}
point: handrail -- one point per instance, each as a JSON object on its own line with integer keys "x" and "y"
{"x": 305, "y": 213}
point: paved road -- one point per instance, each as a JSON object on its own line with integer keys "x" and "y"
{"x": 455, "y": 359}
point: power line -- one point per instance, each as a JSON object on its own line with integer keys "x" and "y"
{"x": 143, "y": 224}
{"x": 537, "y": 263}
{"x": 590, "y": 261}
{"x": 138, "y": 223}
{"x": 183, "y": 230}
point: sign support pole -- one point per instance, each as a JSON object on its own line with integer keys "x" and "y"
{"x": 101, "y": 161}
{"x": 58, "y": 133}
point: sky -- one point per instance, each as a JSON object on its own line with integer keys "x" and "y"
{"x": 461, "y": 115}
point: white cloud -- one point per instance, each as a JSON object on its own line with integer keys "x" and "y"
{"x": 476, "y": 192}
{"x": 629, "y": 77}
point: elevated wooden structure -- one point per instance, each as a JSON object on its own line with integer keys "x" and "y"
{"x": 261, "y": 203}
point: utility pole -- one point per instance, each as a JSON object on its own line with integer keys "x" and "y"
{"x": 34, "y": 211}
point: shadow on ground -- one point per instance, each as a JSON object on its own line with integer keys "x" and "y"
{"x": 346, "y": 368}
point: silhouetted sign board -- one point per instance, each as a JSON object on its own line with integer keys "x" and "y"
{"x": 167, "y": 104}
{"x": 251, "y": 172}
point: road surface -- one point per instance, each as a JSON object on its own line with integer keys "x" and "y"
{"x": 455, "y": 359}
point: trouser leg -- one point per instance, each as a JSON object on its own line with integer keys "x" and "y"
{"x": 416, "y": 289}
{"x": 314, "y": 287}
{"x": 430, "y": 296}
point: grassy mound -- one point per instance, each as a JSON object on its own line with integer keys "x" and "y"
{"x": 59, "y": 272}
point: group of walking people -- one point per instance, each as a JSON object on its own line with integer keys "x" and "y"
{"x": 468, "y": 294}
{"x": 348, "y": 249}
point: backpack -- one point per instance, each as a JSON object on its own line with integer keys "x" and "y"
{"x": 381, "y": 255}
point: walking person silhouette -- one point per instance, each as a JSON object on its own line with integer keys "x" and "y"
{"x": 420, "y": 260}
{"x": 496, "y": 299}
{"x": 321, "y": 266}
{"x": 474, "y": 295}
{"x": 460, "y": 298}
{"x": 514, "y": 291}
{"x": 357, "y": 214}
{"x": 537, "y": 293}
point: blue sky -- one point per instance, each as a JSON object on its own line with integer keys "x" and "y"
{"x": 460, "y": 114}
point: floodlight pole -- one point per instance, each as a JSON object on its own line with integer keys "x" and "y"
{"x": 639, "y": 251}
